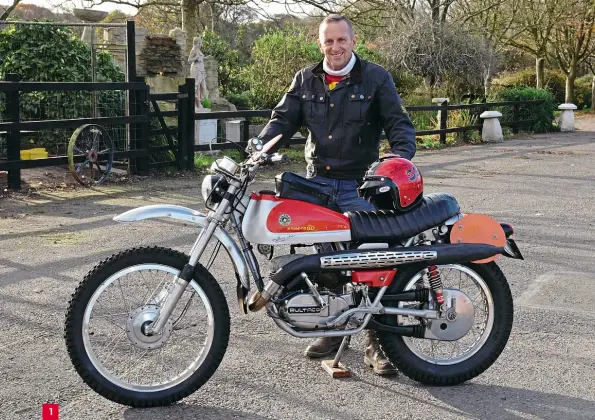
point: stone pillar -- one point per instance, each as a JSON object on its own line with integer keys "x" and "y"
{"x": 114, "y": 41}
{"x": 567, "y": 117}
{"x": 212, "y": 70}
{"x": 140, "y": 42}
{"x": 180, "y": 36}
{"x": 491, "y": 131}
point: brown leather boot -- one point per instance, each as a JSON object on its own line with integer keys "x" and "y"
{"x": 323, "y": 346}
{"x": 374, "y": 356}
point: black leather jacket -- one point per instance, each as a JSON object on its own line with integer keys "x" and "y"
{"x": 344, "y": 124}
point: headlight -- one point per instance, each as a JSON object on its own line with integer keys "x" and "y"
{"x": 217, "y": 183}
{"x": 207, "y": 186}
{"x": 225, "y": 164}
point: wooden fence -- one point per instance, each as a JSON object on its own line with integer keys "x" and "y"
{"x": 142, "y": 108}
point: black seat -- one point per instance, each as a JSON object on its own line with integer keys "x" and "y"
{"x": 391, "y": 226}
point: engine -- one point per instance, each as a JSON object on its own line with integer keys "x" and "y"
{"x": 303, "y": 311}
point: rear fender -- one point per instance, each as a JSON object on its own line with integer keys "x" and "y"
{"x": 194, "y": 217}
{"x": 474, "y": 228}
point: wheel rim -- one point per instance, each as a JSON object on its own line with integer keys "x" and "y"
{"x": 480, "y": 331}
{"x": 134, "y": 345}
{"x": 96, "y": 146}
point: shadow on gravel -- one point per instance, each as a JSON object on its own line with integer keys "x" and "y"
{"x": 479, "y": 401}
{"x": 185, "y": 411}
{"x": 497, "y": 402}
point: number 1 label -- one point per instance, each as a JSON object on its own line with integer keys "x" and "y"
{"x": 50, "y": 412}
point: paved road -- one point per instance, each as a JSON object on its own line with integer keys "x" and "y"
{"x": 543, "y": 185}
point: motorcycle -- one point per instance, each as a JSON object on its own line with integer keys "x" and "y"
{"x": 424, "y": 280}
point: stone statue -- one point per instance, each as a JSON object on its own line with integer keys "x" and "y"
{"x": 197, "y": 71}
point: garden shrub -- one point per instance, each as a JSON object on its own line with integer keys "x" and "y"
{"x": 543, "y": 113}
{"x": 53, "y": 53}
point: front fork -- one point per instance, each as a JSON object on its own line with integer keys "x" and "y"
{"x": 181, "y": 281}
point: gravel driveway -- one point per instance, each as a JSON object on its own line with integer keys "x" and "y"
{"x": 544, "y": 185}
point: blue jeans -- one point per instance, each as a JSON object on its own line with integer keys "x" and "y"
{"x": 344, "y": 197}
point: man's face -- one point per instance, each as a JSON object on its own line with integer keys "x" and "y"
{"x": 336, "y": 43}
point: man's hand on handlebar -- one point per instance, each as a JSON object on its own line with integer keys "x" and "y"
{"x": 258, "y": 152}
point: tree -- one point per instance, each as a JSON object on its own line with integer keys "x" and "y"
{"x": 437, "y": 52}
{"x": 533, "y": 29}
{"x": 9, "y": 10}
{"x": 491, "y": 21}
{"x": 572, "y": 41}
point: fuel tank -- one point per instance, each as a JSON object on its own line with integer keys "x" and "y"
{"x": 274, "y": 221}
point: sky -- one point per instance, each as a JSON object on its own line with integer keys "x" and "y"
{"x": 272, "y": 9}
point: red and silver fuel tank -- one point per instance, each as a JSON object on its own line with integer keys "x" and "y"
{"x": 271, "y": 220}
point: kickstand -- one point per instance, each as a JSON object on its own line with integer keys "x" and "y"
{"x": 335, "y": 368}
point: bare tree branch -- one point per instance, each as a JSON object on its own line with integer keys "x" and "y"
{"x": 8, "y": 11}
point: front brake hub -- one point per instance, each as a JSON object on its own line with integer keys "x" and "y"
{"x": 136, "y": 325}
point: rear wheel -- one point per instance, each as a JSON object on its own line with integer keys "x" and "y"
{"x": 436, "y": 362}
{"x": 105, "y": 323}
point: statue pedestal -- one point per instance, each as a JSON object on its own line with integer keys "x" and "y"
{"x": 205, "y": 131}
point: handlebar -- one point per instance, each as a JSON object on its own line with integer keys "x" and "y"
{"x": 258, "y": 151}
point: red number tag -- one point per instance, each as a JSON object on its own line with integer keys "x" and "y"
{"x": 50, "y": 412}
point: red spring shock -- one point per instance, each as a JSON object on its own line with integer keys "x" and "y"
{"x": 436, "y": 283}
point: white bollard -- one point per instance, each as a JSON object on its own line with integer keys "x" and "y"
{"x": 491, "y": 131}
{"x": 567, "y": 117}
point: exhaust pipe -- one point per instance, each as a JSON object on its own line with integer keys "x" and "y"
{"x": 371, "y": 259}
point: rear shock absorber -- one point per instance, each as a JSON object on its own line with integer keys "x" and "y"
{"x": 436, "y": 283}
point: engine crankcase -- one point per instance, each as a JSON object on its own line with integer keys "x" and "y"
{"x": 304, "y": 312}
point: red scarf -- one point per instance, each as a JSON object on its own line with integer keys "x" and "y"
{"x": 332, "y": 81}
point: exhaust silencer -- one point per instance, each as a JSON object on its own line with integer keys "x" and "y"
{"x": 371, "y": 259}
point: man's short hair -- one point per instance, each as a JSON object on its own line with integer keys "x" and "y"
{"x": 335, "y": 18}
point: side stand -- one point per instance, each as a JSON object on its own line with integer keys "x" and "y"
{"x": 334, "y": 367}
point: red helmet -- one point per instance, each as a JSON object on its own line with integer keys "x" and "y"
{"x": 393, "y": 184}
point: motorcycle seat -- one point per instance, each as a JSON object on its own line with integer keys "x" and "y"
{"x": 390, "y": 226}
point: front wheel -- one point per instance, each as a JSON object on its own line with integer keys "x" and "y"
{"x": 106, "y": 321}
{"x": 436, "y": 362}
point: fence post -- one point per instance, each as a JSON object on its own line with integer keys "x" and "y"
{"x": 144, "y": 143}
{"x": 13, "y": 146}
{"x": 131, "y": 50}
{"x": 479, "y": 112}
{"x": 515, "y": 118}
{"x": 443, "y": 121}
{"x": 190, "y": 122}
{"x": 182, "y": 155}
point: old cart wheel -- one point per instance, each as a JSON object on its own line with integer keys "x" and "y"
{"x": 97, "y": 148}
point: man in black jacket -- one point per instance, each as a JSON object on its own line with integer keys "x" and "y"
{"x": 345, "y": 102}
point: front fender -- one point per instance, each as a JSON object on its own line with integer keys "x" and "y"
{"x": 197, "y": 218}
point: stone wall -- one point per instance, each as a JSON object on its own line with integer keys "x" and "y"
{"x": 161, "y": 55}
{"x": 163, "y": 62}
